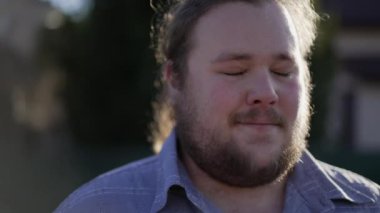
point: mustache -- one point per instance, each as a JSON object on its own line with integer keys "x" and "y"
{"x": 256, "y": 115}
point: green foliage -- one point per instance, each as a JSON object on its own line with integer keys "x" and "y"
{"x": 109, "y": 71}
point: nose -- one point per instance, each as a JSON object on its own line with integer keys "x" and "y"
{"x": 262, "y": 90}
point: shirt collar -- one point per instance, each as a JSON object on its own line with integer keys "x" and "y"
{"x": 319, "y": 184}
{"x": 171, "y": 172}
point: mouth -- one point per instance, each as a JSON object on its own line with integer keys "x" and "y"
{"x": 258, "y": 123}
{"x": 257, "y": 130}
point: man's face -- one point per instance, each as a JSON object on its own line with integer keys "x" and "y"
{"x": 242, "y": 113}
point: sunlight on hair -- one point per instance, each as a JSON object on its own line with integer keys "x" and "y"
{"x": 160, "y": 131}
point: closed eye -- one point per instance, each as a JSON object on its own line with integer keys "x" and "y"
{"x": 282, "y": 74}
{"x": 234, "y": 73}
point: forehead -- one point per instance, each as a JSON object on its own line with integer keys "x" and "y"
{"x": 262, "y": 29}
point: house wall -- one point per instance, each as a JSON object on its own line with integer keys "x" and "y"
{"x": 355, "y": 101}
{"x": 368, "y": 117}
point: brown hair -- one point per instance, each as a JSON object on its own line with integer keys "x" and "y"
{"x": 171, "y": 37}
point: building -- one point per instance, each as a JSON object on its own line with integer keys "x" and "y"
{"x": 354, "y": 104}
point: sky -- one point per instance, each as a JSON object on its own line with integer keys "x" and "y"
{"x": 77, "y": 9}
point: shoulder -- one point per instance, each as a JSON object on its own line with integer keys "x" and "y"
{"x": 355, "y": 186}
{"x": 129, "y": 187}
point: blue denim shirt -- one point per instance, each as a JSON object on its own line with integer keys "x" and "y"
{"x": 161, "y": 184}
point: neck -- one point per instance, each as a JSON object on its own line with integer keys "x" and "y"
{"x": 265, "y": 198}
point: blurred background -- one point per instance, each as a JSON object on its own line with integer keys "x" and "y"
{"x": 76, "y": 86}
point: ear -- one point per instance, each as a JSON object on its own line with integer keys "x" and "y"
{"x": 170, "y": 76}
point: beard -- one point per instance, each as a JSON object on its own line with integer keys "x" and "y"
{"x": 221, "y": 157}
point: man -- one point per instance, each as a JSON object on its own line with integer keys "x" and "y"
{"x": 237, "y": 82}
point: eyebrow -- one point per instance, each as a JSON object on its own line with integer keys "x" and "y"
{"x": 223, "y": 57}
{"x": 232, "y": 57}
{"x": 284, "y": 57}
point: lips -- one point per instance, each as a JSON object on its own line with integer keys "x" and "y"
{"x": 259, "y": 123}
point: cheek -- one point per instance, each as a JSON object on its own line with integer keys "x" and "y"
{"x": 291, "y": 99}
{"x": 217, "y": 99}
